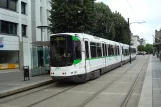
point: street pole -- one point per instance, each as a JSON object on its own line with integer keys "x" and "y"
{"x": 129, "y": 40}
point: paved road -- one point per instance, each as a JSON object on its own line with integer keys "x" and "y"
{"x": 13, "y": 79}
{"x": 118, "y": 82}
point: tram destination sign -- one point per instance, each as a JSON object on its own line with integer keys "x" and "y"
{"x": 1, "y": 42}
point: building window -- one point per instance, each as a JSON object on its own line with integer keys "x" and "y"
{"x": 23, "y": 8}
{"x": 9, "y": 4}
{"x": 4, "y": 27}
{"x": 24, "y": 30}
{"x": 41, "y": 14}
{"x": 12, "y": 4}
{"x": 12, "y": 28}
{"x": 8, "y": 27}
{"x": 3, "y": 3}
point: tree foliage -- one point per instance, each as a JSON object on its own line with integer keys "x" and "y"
{"x": 89, "y": 17}
{"x": 71, "y": 16}
{"x": 148, "y": 48}
{"x": 141, "y": 48}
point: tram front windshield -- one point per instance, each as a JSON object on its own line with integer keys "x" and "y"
{"x": 61, "y": 49}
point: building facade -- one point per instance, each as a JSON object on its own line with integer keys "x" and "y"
{"x": 19, "y": 20}
{"x": 135, "y": 40}
{"x": 157, "y": 42}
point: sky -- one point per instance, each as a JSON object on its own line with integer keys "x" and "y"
{"x": 138, "y": 11}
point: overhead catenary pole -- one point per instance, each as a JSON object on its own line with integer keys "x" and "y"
{"x": 129, "y": 40}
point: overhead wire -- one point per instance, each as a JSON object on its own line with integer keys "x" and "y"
{"x": 132, "y": 9}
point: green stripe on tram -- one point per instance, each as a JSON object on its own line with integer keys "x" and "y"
{"x": 77, "y": 61}
{"x": 102, "y": 57}
{"x": 75, "y": 38}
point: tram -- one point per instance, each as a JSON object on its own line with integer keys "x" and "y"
{"x": 80, "y": 57}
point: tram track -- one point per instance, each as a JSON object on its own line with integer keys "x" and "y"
{"x": 26, "y": 94}
{"x": 50, "y": 96}
{"x": 54, "y": 95}
{"x": 34, "y": 92}
{"x": 125, "y": 101}
{"x": 89, "y": 98}
{"x": 109, "y": 84}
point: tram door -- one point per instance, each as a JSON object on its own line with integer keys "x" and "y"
{"x": 87, "y": 59}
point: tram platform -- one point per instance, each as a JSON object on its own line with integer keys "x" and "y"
{"x": 151, "y": 92}
{"x": 12, "y": 81}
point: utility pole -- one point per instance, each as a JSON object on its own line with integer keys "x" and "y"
{"x": 129, "y": 40}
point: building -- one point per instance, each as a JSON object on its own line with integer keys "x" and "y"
{"x": 142, "y": 41}
{"x": 135, "y": 40}
{"x": 157, "y": 36}
{"x": 15, "y": 31}
{"x": 157, "y": 41}
{"x": 18, "y": 31}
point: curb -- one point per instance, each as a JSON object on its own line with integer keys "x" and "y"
{"x": 24, "y": 88}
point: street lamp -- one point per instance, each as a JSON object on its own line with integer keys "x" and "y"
{"x": 42, "y": 27}
{"x": 130, "y": 36}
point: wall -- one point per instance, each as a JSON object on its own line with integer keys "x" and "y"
{"x": 10, "y": 42}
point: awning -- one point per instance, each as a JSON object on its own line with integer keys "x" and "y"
{"x": 41, "y": 43}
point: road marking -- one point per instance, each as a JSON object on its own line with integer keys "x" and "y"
{"x": 81, "y": 92}
{"x": 104, "y": 93}
{"x": 5, "y": 105}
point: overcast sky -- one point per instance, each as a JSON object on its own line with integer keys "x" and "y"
{"x": 144, "y": 10}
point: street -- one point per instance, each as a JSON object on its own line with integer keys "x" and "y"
{"x": 121, "y": 86}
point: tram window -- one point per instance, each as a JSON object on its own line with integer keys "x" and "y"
{"x": 99, "y": 51}
{"x": 61, "y": 48}
{"x": 109, "y": 50}
{"x": 103, "y": 48}
{"x": 127, "y": 51}
{"x": 93, "y": 50}
{"x": 77, "y": 50}
{"x": 122, "y": 51}
{"x": 115, "y": 49}
{"x": 118, "y": 50}
{"x": 87, "y": 49}
{"x": 112, "y": 50}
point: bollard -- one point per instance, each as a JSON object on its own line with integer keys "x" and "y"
{"x": 26, "y": 72}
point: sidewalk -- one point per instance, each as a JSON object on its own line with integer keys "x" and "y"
{"x": 151, "y": 92}
{"x": 13, "y": 82}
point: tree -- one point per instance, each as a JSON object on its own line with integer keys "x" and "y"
{"x": 88, "y": 17}
{"x": 110, "y": 25}
{"x": 149, "y": 48}
{"x": 141, "y": 48}
{"x": 102, "y": 21}
{"x": 122, "y": 29}
{"x": 71, "y": 16}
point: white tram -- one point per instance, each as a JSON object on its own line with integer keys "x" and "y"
{"x": 81, "y": 57}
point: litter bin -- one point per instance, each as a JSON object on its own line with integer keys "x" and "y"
{"x": 26, "y": 72}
